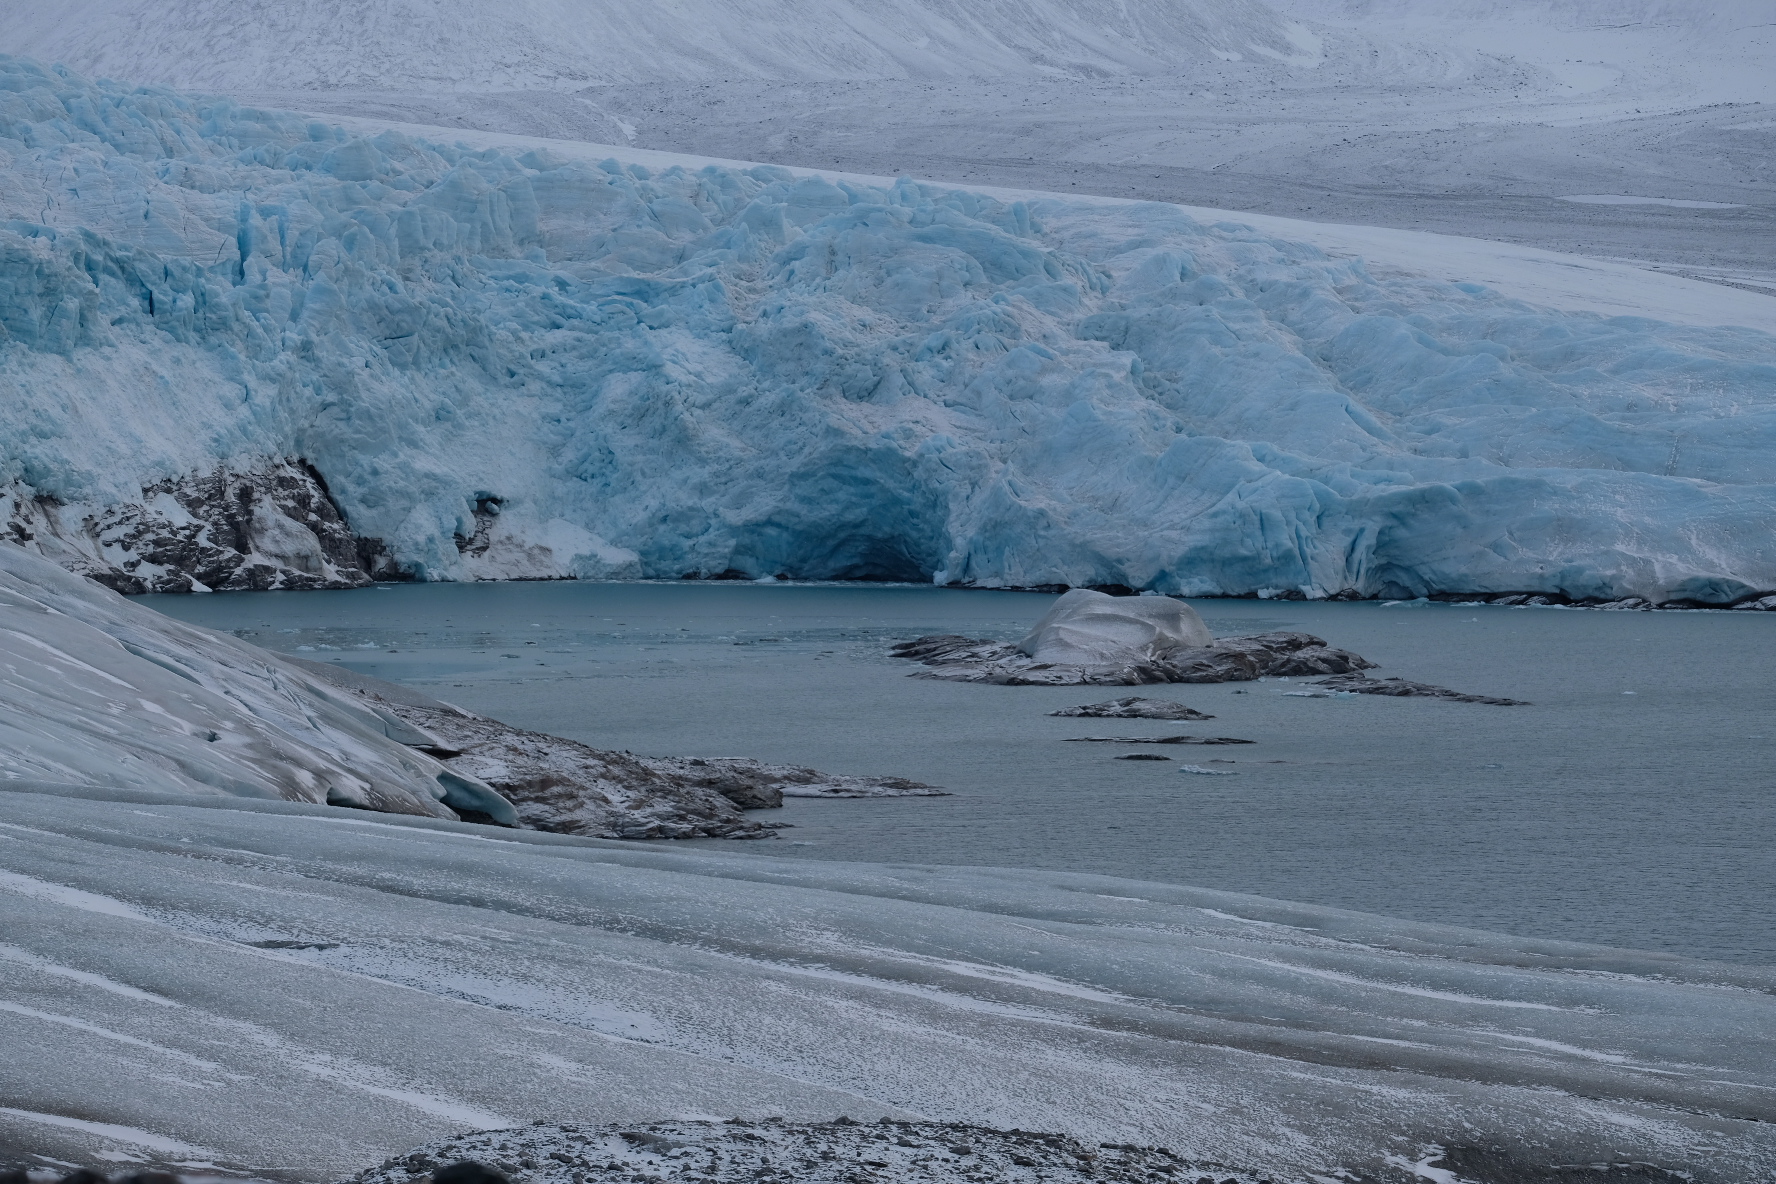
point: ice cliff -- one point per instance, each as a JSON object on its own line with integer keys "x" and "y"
{"x": 511, "y": 364}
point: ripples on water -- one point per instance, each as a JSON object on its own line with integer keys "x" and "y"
{"x": 1631, "y": 805}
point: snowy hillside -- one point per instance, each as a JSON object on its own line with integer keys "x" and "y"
{"x": 229, "y": 46}
{"x": 99, "y": 691}
{"x": 530, "y": 364}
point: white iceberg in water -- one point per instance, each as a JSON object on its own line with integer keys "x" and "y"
{"x": 1088, "y": 628}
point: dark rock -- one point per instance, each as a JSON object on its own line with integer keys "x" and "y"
{"x": 468, "y": 1172}
{"x": 754, "y": 785}
{"x": 1362, "y": 684}
{"x": 1142, "y": 756}
{"x": 1155, "y": 740}
{"x": 954, "y": 658}
{"x": 566, "y": 787}
{"x": 271, "y": 525}
{"x": 1133, "y": 707}
{"x": 736, "y": 1152}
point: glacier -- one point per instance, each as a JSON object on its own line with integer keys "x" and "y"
{"x": 95, "y": 690}
{"x": 294, "y": 993}
{"x": 521, "y": 363}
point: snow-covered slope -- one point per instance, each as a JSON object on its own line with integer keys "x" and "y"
{"x": 1469, "y": 117}
{"x": 98, "y": 691}
{"x": 227, "y": 45}
{"x": 511, "y": 363}
{"x": 309, "y": 993}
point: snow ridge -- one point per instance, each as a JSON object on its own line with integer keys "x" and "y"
{"x": 522, "y": 365}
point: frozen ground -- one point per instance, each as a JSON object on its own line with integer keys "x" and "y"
{"x": 277, "y": 989}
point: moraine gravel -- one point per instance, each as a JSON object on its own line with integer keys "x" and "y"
{"x": 839, "y": 1152}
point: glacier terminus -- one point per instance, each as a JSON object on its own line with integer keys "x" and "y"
{"x": 397, "y": 356}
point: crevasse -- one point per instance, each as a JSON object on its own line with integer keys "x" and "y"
{"x": 596, "y": 370}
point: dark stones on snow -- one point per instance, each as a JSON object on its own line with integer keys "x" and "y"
{"x": 839, "y": 1152}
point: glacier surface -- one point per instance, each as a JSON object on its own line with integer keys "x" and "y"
{"x": 514, "y": 363}
{"x": 95, "y": 690}
{"x": 272, "y": 987}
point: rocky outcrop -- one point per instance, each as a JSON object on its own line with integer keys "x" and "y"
{"x": 753, "y": 785}
{"x": 1133, "y": 707}
{"x": 253, "y": 528}
{"x": 561, "y": 785}
{"x": 564, "y": 786}
{"x": 954, "y": 658}
{"x": 1362, "y": 684}
{"x": 838, "y": 1152}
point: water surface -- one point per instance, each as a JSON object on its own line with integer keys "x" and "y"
{"x": 1630, "y": 805}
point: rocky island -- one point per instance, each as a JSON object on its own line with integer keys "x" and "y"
{"x": 1094, "y": 639}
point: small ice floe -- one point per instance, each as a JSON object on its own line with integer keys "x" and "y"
{"x": 1199, "y": 771}
{"x": 1308, "y": 694}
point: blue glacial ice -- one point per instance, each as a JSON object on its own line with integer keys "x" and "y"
{"x": 519, "y": 363}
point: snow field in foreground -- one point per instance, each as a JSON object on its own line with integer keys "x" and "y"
{"x": 312, "y": 993}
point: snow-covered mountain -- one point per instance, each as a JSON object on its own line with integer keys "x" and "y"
{"x": 520, "y": 362}
{"x": 229, "y": 46}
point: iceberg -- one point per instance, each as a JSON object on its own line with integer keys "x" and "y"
{"x": 341, "y": 354}
{"x": 1091, "y": 628}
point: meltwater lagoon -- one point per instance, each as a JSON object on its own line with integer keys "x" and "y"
{"x": 1627, "y": 805}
